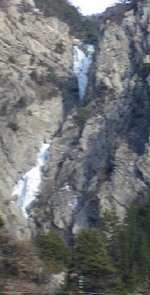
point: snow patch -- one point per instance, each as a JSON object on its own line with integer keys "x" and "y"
{"x": 27, "y": 188}
{"x": 74, "y": 202}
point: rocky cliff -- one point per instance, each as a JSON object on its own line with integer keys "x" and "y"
{"x": 99, "y": 141}
{"x": 100, "y": 154}
{"x": 100, "y": 147}
{"x": 36, "y": 81}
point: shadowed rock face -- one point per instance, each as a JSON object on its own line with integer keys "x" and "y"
{"x": 100, "y": 148}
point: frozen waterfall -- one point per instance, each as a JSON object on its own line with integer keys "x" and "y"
{"x": 27, "y": 188}
{"x": 83, "y": 56}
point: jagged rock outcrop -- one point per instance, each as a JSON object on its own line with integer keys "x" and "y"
{"x": 100, "y": 148}
{"x": 36, "y": 82}
{"x": 100, "y": 155}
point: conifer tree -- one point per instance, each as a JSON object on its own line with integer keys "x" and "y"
{"x": 92, "y": 261}
{"x": 129, "y": 245}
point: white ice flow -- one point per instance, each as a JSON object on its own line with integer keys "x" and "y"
{"x": 83, "y": 56}
{"x": 27, "y": 188}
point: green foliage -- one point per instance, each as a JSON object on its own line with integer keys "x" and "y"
{"x": 91, "y": 260}
{"x": 60, "y": 48}
{"x": 53, "y": 249}
{"x": 79, "y": 26}
{"x": 129, "y": 247}
{"x": 46, "y": 77}
{"x": 83, "y": 115}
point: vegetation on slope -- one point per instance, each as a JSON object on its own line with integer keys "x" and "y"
{"x": 91, "y": 259}
{"x": 112, "y": 258}
{"x": 129, "y": 246}
{"x": 21, "y": 269}
{"x": 115, "y": 257}
{"x": 79, "y": 26}
{"x": 53, "y": 250}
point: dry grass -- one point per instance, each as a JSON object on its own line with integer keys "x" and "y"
{"x": 20, "y": 266}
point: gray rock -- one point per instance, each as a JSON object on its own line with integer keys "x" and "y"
{"x": 104, "y": 153}
{"x": 100, "y": 149}
{"x": 32, "y": 99}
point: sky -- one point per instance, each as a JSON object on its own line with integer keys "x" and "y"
{"x": 92, "y": 6}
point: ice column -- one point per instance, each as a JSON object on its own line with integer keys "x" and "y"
{"x": 82, "y": 59}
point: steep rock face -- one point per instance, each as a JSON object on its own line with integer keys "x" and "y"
{"x": 100, "y": 148}
{"x": 100, "y": 156}
{"x": 122, "y": 83}
{"x": 35, "y": 84}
